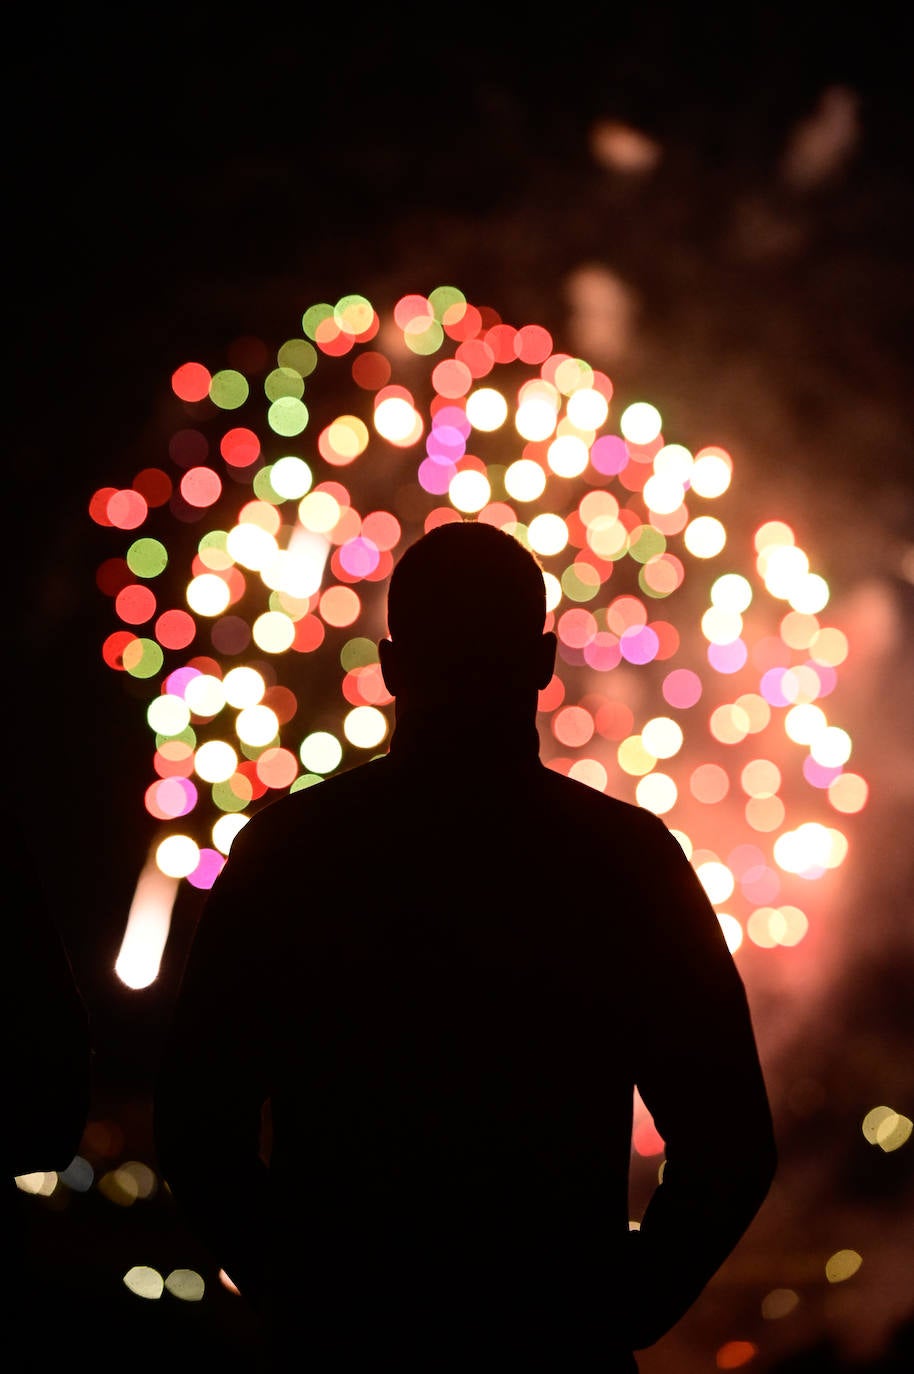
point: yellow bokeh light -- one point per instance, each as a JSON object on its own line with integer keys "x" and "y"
{"x": 662, "y": 736}
{"x": 721, "y": 626}
{"x": 760, "y": 778}
{"x": 186, "y": 1285}
{"x": 829, "y": 647}
{"x": 208, "y": 594}
{"x": 842, "y": 1265}
{"x": 591, "y": 772}
{"x": 144, "y": 1282}
{"x": 640, "y": 422}
{"x": 225, "y": 829}
{"x": 243, "y": 686}
{"x": 831, "y": 747}
{"x": 810, "y": 848}
{"x": 274, "y": 632}
{"x": 469, "y": 491}
{"x": 607, "y": 536}
{"x": 729, "y": 723}
{"x": 525, "y": 480}
{"x": 365, "y": 727}
{"x": 771, "y": 534}
{"x": 177, "y": 856}
{"x": 657, "y": 792}
{"x": 674, "y": 463}
{"x": 321, "y": 752}
{"x": 290, "y": 477}
{"x": 633, "y": 757}
{"x": 662, "y": 494}
{"x": 319, "y": 512}
{"x": 345, "y": 439}
{"x": 779, "y": 1303}
{"x": 765, "y": 814}
{"x": 553, "y": 590}
{"x": 805, "y": 723}
{"x": 215, "y": 761}
{"x": 756, "y": 708}
{"x": 799, "y": 629}
{"x": 705, "y": 536}
{"x": 537, "y": 411}
{"x": 783, "y": 567}
{"x": 251, "y": 545}
{"x": 731, "y": 592}
{"x": 568, "y": 456}
{"x": 887, "y": 1128}
{"x": 486, "y": 409}
{"x": 711, "y": 472}
{"x": 257, "y": 725}
{"x": 398, "y": 421}
{"x": 848, "y": 793}
{"x": 717, "y": 880}
{"x": 732, "y": 930}
{"x": 547, "y": 533}
{"x": 205, "y": 695}
{"x": 168, "y": 714}
{"x": 810, "y": 594}
{"x": 587, "y": 408}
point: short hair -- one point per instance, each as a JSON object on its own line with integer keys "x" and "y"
{"x": 466, "y": 592}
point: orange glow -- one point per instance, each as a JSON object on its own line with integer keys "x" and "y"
{"x": 735, "y": 1354}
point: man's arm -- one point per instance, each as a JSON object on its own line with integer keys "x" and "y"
{"x": 700, "y": 1077}
{"x": 212, "y": 1081}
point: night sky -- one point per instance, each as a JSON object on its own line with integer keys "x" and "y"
{"x": 179, "y": 182}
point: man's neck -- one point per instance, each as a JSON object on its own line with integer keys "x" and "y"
{"x": 487, "y": 732}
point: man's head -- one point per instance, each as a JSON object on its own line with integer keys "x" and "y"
{"x": 465, "y": 611}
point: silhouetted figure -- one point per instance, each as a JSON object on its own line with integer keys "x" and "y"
{"x": 447, "y": 970}
{"x": 47, "y": 1056}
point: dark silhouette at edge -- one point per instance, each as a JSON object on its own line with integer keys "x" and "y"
{"x": 48, "y": 1061}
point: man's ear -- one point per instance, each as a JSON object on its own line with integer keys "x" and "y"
{"x": 389, "y": 666}
{"x": 545, "y": 660}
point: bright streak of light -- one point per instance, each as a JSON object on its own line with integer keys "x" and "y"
{"x": 148, "y": 922}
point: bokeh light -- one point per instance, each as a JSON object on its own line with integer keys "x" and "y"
{"x": 249, "y": 559}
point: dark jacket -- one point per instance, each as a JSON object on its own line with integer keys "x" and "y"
{"x": 447, "y": 970}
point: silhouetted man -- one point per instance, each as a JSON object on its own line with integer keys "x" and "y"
{"x": 447, "y": 970}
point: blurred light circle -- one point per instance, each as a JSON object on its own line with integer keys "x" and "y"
{"x": 243, "y": 686}
{"x": 710, "y": 473}
{"x": 320, "y": 752}
{"x": 215, "y": 761}
{"x": 365, "y": 727}
{"x": 640, "y": 422}
{"x": 168, "y": 714}
{"x": 208, "y": 594}
{"x": 717, "y": 881}
{"x": 705, "y": 536}
{"x": 177, "y": 856}
{"x": 186, "y": 1285}
{"x": 657, "y": 792}
{"x": 469, "y": 491}
{"x": 144, "y": 1282}
{"x": 548, "y": 534}
{"x": 291, "y": 477}
{"x": 257, "y": 726}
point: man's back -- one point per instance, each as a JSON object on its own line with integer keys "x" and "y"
{"x": 448, "y": 977}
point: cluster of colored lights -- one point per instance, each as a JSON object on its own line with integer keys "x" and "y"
{"x": 695, "y": 664}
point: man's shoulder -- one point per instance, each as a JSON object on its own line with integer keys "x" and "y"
{"x": 601, "y": 808}
{"x": 314, "y": 805}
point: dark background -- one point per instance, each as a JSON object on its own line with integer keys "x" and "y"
{"x": 178, "y": 181}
